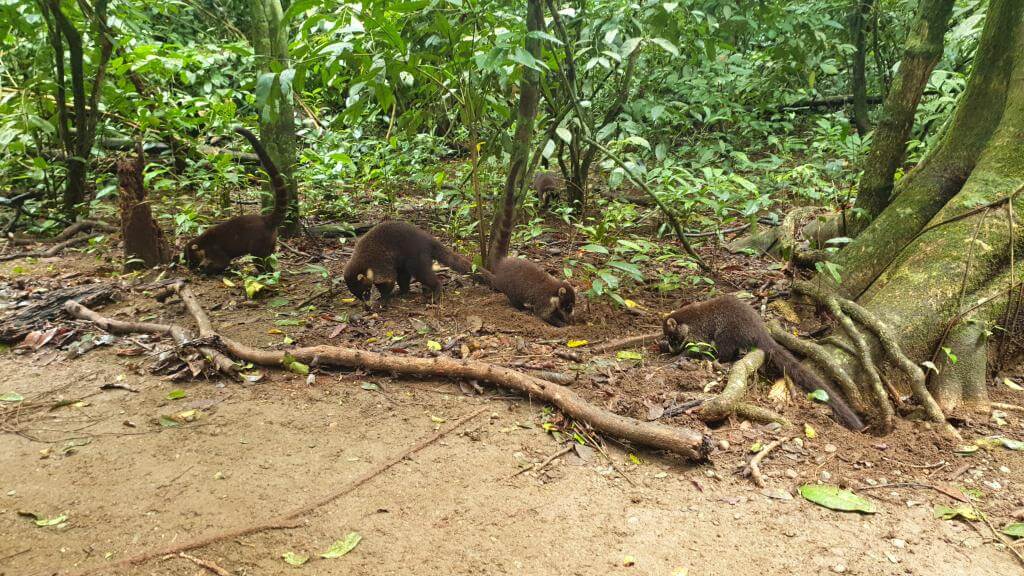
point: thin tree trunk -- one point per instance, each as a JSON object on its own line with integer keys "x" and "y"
{"x": 858, "y": 23}
{"x": 921, "y": 53}
{"x": 529, "y": 96}
{"x": 277, "y": 125}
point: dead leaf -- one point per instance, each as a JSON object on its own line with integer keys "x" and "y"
{"x": 474, "y": 323}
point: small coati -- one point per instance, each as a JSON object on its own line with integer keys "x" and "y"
{"x": 398, "y": 252}
{"x": 546, "y": 185}
{"x": 212, "y": 251}
{"x": 733, "y": 326}
{"x": 527, "y": 285}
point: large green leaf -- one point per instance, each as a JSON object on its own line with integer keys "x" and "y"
{"x": 342, "y": 547}
{"x": 835, "y": 498}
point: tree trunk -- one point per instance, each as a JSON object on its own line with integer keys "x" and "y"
{"x": 858, "y": 23}
{"x": 515, "y": 182}
{"x": 937, "y": 265}
{"x": 144, "y": 242}
{"x": 921, "y": 53}
{"x": 277, "y": 118}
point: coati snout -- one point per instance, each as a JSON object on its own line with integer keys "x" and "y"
{"x": 362, "y": 285}
{"x": 675, "y": 332}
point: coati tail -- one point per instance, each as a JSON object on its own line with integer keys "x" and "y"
{"x": 784, "y": 362}
{"x": 276, "y": 180}
{"x": 451, "y": 258}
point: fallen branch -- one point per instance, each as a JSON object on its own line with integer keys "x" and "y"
{"x": 223, "y": 364}
{"x": 629, "y": 342}
{"x": 753, "y": 468}
{"x": 19, "y": 322}
{"x": 685, "y": 442}
{"x": 284, "y": 519}
{"x": 212, "y": 567}
{"x": 544, "y": 464}
{"x": 885, "y": 407}
{"x": 820, "y": 357}
{"x": 724, "y": 404}
{"x": 67, "y": 233}
{"x": 51, "y": 251}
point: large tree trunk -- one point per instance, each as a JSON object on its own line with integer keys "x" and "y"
{"x": 515, "y": 182}
{"x": 937, "y": 265}
{"x": 277, "y": 119}
{"x": 920, "y": 55}
{"x": 144, "y": 243}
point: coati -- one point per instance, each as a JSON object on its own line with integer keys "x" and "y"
{"x": 546, "y": 185}
{"x": 527, "y": 285}
{"x": 733, "y": 327}
{"x": 212, "y": 251}
{"x": 398, "y": 252}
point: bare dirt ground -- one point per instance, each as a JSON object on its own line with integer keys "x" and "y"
{"x": 127, "y": 484}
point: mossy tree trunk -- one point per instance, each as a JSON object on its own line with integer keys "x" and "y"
{"x": 274, "y": 96}
{"x": 858, "y": 32}
{"x": 921, "y": 53}
{"x": 938, "y": 264}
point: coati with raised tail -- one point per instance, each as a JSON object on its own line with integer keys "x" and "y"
{"x": 733, "y": 326}
{"x": 397, "y": 252}
{"x": 527, "y": 285}
{"x": 213, "y": 250}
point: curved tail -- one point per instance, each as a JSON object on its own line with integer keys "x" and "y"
{"x": 459, "y": 263}
{"x": 276, "y": 180}
{"x": 786, "y": 363}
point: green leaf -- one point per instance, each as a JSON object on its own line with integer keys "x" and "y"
{"x": 666, "y": 46}
{"x": 947, "y": 513}
{"x": 168, "y": 422}
{"x": 628, "y": 268}
{"x": 41, "y": 521}
{"x": 629, "y": 355}
{"x": 176, "y": 394}
{"x": 1011, "y": 444}
{"x": 835, "y": 498}
{"x": 11, "y": 397}
{"x": 369, "y": 386}
{"x": 293, "y": 559}
{"x": 966, "y": 449}
{"x": 564, "y": 134}
{"x": 818, "y": 395}
{"x": 434, "y": 345}
{"x": 544, "y": 36}
{"x": 521, "y": 56}
{"x": 342, "y": 547}
{"x": 252, "y": 288}
{"x": 595, "y": 248}
{"x": 828, "y": 68}
{"x": 263, "y": 85}
{"x": 298, "y": 368}
{"x": 1015, "y": 530}
{"x": 629, "y": 46}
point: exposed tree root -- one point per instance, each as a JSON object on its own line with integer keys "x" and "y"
{"x": 67, "y": 233}
{"x": 884, "y": 405}
{"x": 51, "y": 251}
{"x": 685, "y": 442}
{"x": 820, "y": 357}
{"x": 755, "y": 413}
{"x": 724, "y": 404}
{"x": 629, "y": 342}
{"x": 223, "y": 364}
{"x": 287, "y": 519}
{"x": 753, "y": 468}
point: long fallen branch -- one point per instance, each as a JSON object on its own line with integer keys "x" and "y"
{"x": 284, "y": 520}
{"x": 628, "y": 342}
{"x": 51, "y": 251}
{"x": 67, "y": 233}
{"x": 685, "y": 442}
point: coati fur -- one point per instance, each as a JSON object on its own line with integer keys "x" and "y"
{"x": 256, "y": 234}
{"x": 546, "y": 185}
{"x": 527, "y": 285}
{"x": 733, "y": 327}
{"x": 397, "y": 252}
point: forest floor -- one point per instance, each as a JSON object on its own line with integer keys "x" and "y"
{"x": 128, "y": 484}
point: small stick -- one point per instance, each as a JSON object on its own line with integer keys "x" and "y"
{"x": 998, "y": 536}
{"x": 753, "y": 468}
{"x": 205, "y": 564}
{"x": 544, "y": 464}
{"x": 940, "y": 490}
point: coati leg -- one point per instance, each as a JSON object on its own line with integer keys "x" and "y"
{"x": 385, "y": 289}
{"x": 422, "y": 270}
{"x": 404, "y": 277}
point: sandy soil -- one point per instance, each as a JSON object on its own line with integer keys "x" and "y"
{"x": 129, "y": 485}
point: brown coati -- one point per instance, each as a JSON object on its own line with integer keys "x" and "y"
{"x": 546, "y": 185}
{"x": 397, "y": 252}
{"x": 527, "y": 285}
{"x": 733, "y": 326}
{"x": 255, "y": 234}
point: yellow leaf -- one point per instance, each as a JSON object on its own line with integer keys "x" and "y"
{"x": 628, "y": 560}
{"x": 228, "y": 283}
{"x": 756, "y": 447}
{"x": 1012, "y": 385}
{"x": 629, "y": 303}
{"x": 433, "y": 345}
{"x": 347, "y": 300}
{"x": 809, "y": 431}
{"x": 252, "y": 288}
{"x": 275, "y": 331}
{"x": 577, "y": 343}
{"x": 779, "y": 394}
{"x": 437, "y": 419}
{"x": 371, "y": 340}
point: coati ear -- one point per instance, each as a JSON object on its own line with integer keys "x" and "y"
{"x": 360, "y": 277}
{"x": 561, "y": 291}
{"x": 671, "y": 323}
{"x": 369, "y": 274}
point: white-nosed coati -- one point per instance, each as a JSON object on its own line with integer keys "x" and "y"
{"x": 546, "y": 185}
{"x": 256, "y": 234}
{"x": 732, "y": 327}
{"x": 397, "y": 252}
{"x": 527, "y": 285}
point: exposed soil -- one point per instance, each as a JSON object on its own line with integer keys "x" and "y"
{"x": 128, "y": 484}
